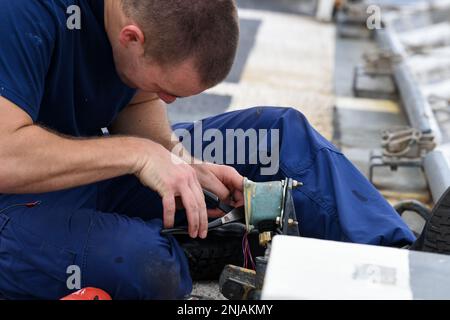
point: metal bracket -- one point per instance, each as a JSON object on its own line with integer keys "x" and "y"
{"x": 401, "y": 147}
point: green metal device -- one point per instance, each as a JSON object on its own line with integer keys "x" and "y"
{"x": 266, "y": 201}
{"x": 263, "y": 202}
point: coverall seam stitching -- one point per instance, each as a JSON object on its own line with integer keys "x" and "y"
{"x": 318, "y": 200}
{"x": 85, "y": 252}
{"x": 312, "y": 161}
{"x": 4, "y": 220}
{"x": 86, "y": 249}
{"x": 322, "y": 204}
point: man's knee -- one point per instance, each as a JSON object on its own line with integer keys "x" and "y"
{"x": 274, "y": 113}
{"x": 281, "y": 118}
{"x": 154, "y": 274}
{"x": 140, "y": 265}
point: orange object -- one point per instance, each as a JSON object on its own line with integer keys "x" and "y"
{"x": 88, "y": 294}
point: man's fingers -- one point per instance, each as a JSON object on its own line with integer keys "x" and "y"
{"x": 238, "y": 198}
{"x": 221, "y": 190}
{"x": 229, "y": 182}
{"x": 192, "y": 210}
{"x": 229, "y": 176}
{"x": 203, "y": 213}
{"x": 169, "y": 211}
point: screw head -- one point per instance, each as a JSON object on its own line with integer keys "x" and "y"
{"x": 278, "y": 220}
{"x": 296, "y": 184}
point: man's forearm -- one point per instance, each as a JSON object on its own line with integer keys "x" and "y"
{"x": 34, "y": 160}
{"x": 147, "y": 120}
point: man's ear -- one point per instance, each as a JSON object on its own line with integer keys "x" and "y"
{"x": 131, "y": 35}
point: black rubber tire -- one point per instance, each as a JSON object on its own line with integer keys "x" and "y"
{"x": 436, "y": 235}
{"x": 207, "y": 258}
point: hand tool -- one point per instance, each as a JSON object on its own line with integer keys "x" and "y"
{"x": 213, "y": 202}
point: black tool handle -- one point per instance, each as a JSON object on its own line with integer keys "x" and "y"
{"x": 212, "y": 201}
{"x": 175, "y": 231}
{"x": 184, "y": 230}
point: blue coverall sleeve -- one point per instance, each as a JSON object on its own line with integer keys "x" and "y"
{"x": 26, "y": 45}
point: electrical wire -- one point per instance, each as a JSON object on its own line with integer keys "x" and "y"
{"x": 248, "y": 258}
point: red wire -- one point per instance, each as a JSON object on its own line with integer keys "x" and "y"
{"x": 247, "y": 252}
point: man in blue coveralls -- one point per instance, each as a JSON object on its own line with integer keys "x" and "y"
{"x": 73, "y": 197}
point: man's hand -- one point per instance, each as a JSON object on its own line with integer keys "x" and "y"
{"x": 159, "y": 172}
{"x": 224, "y": 181}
